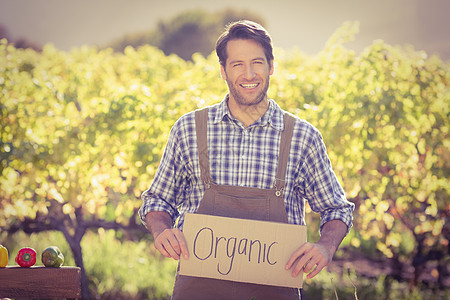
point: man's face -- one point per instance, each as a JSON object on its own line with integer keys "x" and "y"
{"x": 247, "y": 72}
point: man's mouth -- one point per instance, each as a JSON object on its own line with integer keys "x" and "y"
{"x": 249, "y": 85}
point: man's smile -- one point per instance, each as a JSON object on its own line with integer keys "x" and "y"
{"x": 249, "y": 85}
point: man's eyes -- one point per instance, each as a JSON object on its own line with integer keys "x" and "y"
{"x": 257, "y": 62}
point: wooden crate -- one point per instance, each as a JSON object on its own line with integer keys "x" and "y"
{"x": 40, "y": 282}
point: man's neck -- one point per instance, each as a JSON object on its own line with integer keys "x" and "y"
{"x": 248, "y": 114}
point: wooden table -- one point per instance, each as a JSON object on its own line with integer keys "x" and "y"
{"x": 40, "y": 282}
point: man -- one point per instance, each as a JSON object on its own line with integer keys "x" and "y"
{"x": 245, "y": 145}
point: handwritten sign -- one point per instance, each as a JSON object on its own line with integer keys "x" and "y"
{"x": 241, "y": 250}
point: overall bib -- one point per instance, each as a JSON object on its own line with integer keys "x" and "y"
{"x": 237, "y": 202}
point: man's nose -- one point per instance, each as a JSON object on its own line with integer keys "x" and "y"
{"x": 249, "y": 72}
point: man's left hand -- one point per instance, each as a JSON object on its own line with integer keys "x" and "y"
{"x": 319, "y": 254}
{"x": 308, "y": 256}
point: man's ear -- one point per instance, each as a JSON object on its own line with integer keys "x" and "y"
{"x": 271, "y": 70}
{"x": 223, "y": 74}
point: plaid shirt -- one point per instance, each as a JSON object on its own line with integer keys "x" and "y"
{"x": 247, "y": 157}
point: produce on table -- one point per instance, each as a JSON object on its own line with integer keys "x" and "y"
{"x": 3, "y": 256}
{"x": 52, "y": 257}
{"x": 26, "y": 257}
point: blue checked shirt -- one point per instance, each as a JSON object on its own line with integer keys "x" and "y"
{"x": 247, "y": 157}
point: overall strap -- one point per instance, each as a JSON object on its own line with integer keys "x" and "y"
{"x": 201, "y": 129}
{"x": 201, "y": 119}
{"x": 283, "y": 158}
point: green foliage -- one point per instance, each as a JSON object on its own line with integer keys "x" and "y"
{"x": 127, "y": 268}
{"x": 385, "y": 118}
{"x": 82, "y": 133}
{"x": 81, "y": 128}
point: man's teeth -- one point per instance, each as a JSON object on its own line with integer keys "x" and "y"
{"x": 249, "y": 86}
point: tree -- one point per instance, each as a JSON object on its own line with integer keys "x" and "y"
{"x": 18, "y": 43}
{"x": 187, "y": 33}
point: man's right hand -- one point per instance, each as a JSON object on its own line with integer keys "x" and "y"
{"x": 169, "y": 241}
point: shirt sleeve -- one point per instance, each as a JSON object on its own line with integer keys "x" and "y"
{"x": 323, "y": 191}
{"x": 171, "y": 178}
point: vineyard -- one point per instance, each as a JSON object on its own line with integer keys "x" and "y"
{"x": 82, "y": 133}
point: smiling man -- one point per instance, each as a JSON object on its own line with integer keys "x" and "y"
{"x": 246, "y": 158}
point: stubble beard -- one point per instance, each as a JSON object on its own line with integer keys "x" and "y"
{"x": 241, "y": 100}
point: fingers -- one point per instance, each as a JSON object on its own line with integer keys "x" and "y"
{"x": 182, "y": 243}
{"x": 299, "y": 258}
{"x": 162, "y": 244}
{"x": 309, "y": 258}
{"x": 316, "y": 271}
{"x": 171, "y": 243}
{"x": 294, "y": 257}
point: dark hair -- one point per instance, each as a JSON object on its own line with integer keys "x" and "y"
{"x": 245, "y": 30}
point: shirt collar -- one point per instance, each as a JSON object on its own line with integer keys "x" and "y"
{"x": 273, "y": 116}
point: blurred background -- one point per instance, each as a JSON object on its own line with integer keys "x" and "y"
{"x": 90, "y": 89}
{"x": 301, "y": 23}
